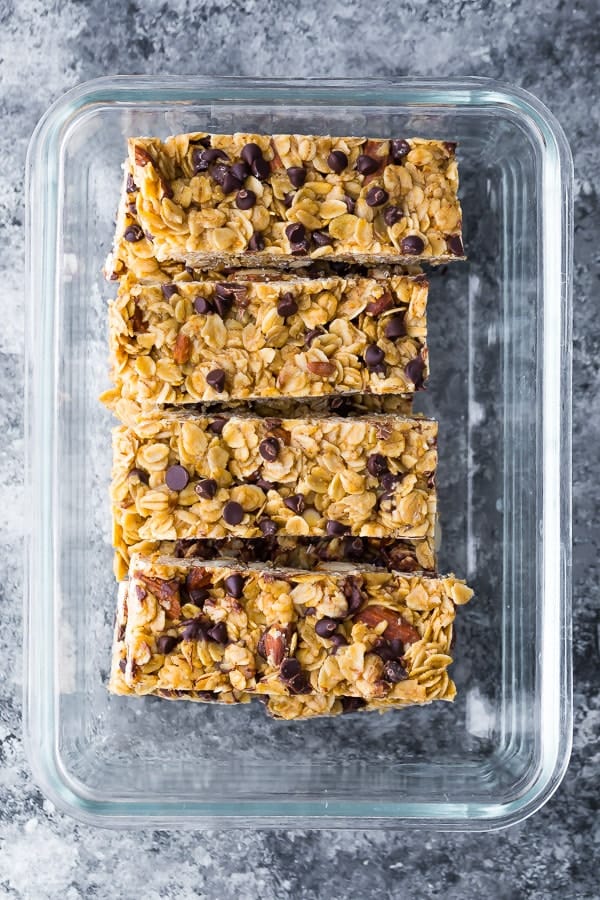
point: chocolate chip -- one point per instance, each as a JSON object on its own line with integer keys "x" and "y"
{"x": 383, "y": 650}
{"x": 412, "y": 245}
{"x": 353, "y": 595}
{"x": 394, "y": 672}
{"x": 322, "y": 239}
{"x": 337, "y": 161}
{"x": 203, "y": 141}
{"x": 234, "y": 585}
{"x": 139, "y": 474}
{"x": 168, "y": 290}
{"x": 216, "y": 379}
{"x": 240, "y": 170}
{"x": 455, "y": 244}
{"x": 374, "y": 356}
{"x": 194, "y": 629}
{"x": 310, "y": 611}
{"x": 133, "y": 234}
{"x": 207, "y": 488}
{"x": 301, "y": 248}
{"x": 165, "y": 643}
{"x": 336, "y": 529}
{"x": 122, "y": 664}
{"x": 176, "y": 478}
{"x": 216, "y": 426}
{"x": 230, "y": 183}
{"x": 245, "y": 199}
{"x": 351, "y": 704}
{"x": 376, "y": 196}
{"x": 288, "y": 199}
{"x": 198, "y": 595}
{"x": 295, "y": 503}
{"x": 218, "y": 633}
{"x": 290, "y": 667}
{"x": 212, "y": 154}
{"x": 131, "y": 185}
{"x": 269, "y": 449}
{"x": 299, "y": 685}
{"x": 233, "y": 513}
{"x": 264, "y": 485}
{"x": 250, "y": 152}
{"x": 203, "y": 306}
{"x": 392, "y": 215}
{"x": 256, "y": 242}
{"x": 295, "y": 232}
{"x": 337, "y": 640}
{"x": 325, "y": 627}
{"x": 398, "y": 150}
{"x": 350, "y": 204}
{"x": 312, "y": 334}
{"x": 260, "y": 168}
{"x": 201, "y": 159}
{"x": 287, "y": 306}
{"x": 353, "y": 548}
{"x": 389, "y": 481}
{"x": 205, "y": 696}
{"x": 414, "y": 370}
{"x": 223, "y": 304}
{"x": 268, "y": 527}
{"x": 395, "y": 328}
{"x": 218, "y": 173}
{"x": 226, "y": 290}
{"x": 377, "y": 465}
{"x": 366, "y": 165}
{"x": 297, "y": 175}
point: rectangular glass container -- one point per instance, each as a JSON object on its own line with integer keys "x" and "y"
{"x": 500, "y": 357}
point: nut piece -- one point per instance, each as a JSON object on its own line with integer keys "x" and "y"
{"x": 142, "y": 157}
{"x": 166, "y": 592}
{"x": 322, "y": 369}
{"x": 397, "y": 627}
{"x": 182, "y": 350}
{"x": 274, "y": 644}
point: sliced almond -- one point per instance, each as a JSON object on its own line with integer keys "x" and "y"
{"x": 183, "y": 349}
{"x": 322, "y": 369}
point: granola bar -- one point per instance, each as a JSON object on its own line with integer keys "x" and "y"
{"x": 351, "y": 635}
{"x": 188, "y": 342}
{"x": 132, "y": 253}
{"x": 182, "y": 476}
{"x": 246, "y": 199}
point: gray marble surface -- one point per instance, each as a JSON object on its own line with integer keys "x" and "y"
{"x": 46, "y": 48}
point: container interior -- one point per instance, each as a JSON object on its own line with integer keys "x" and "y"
{"x": 448, "y": 762}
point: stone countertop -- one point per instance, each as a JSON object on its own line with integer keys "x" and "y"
{"x": 555, "y": 53}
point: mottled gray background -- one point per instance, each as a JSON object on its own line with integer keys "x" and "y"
{"x": 46, "y": 48}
